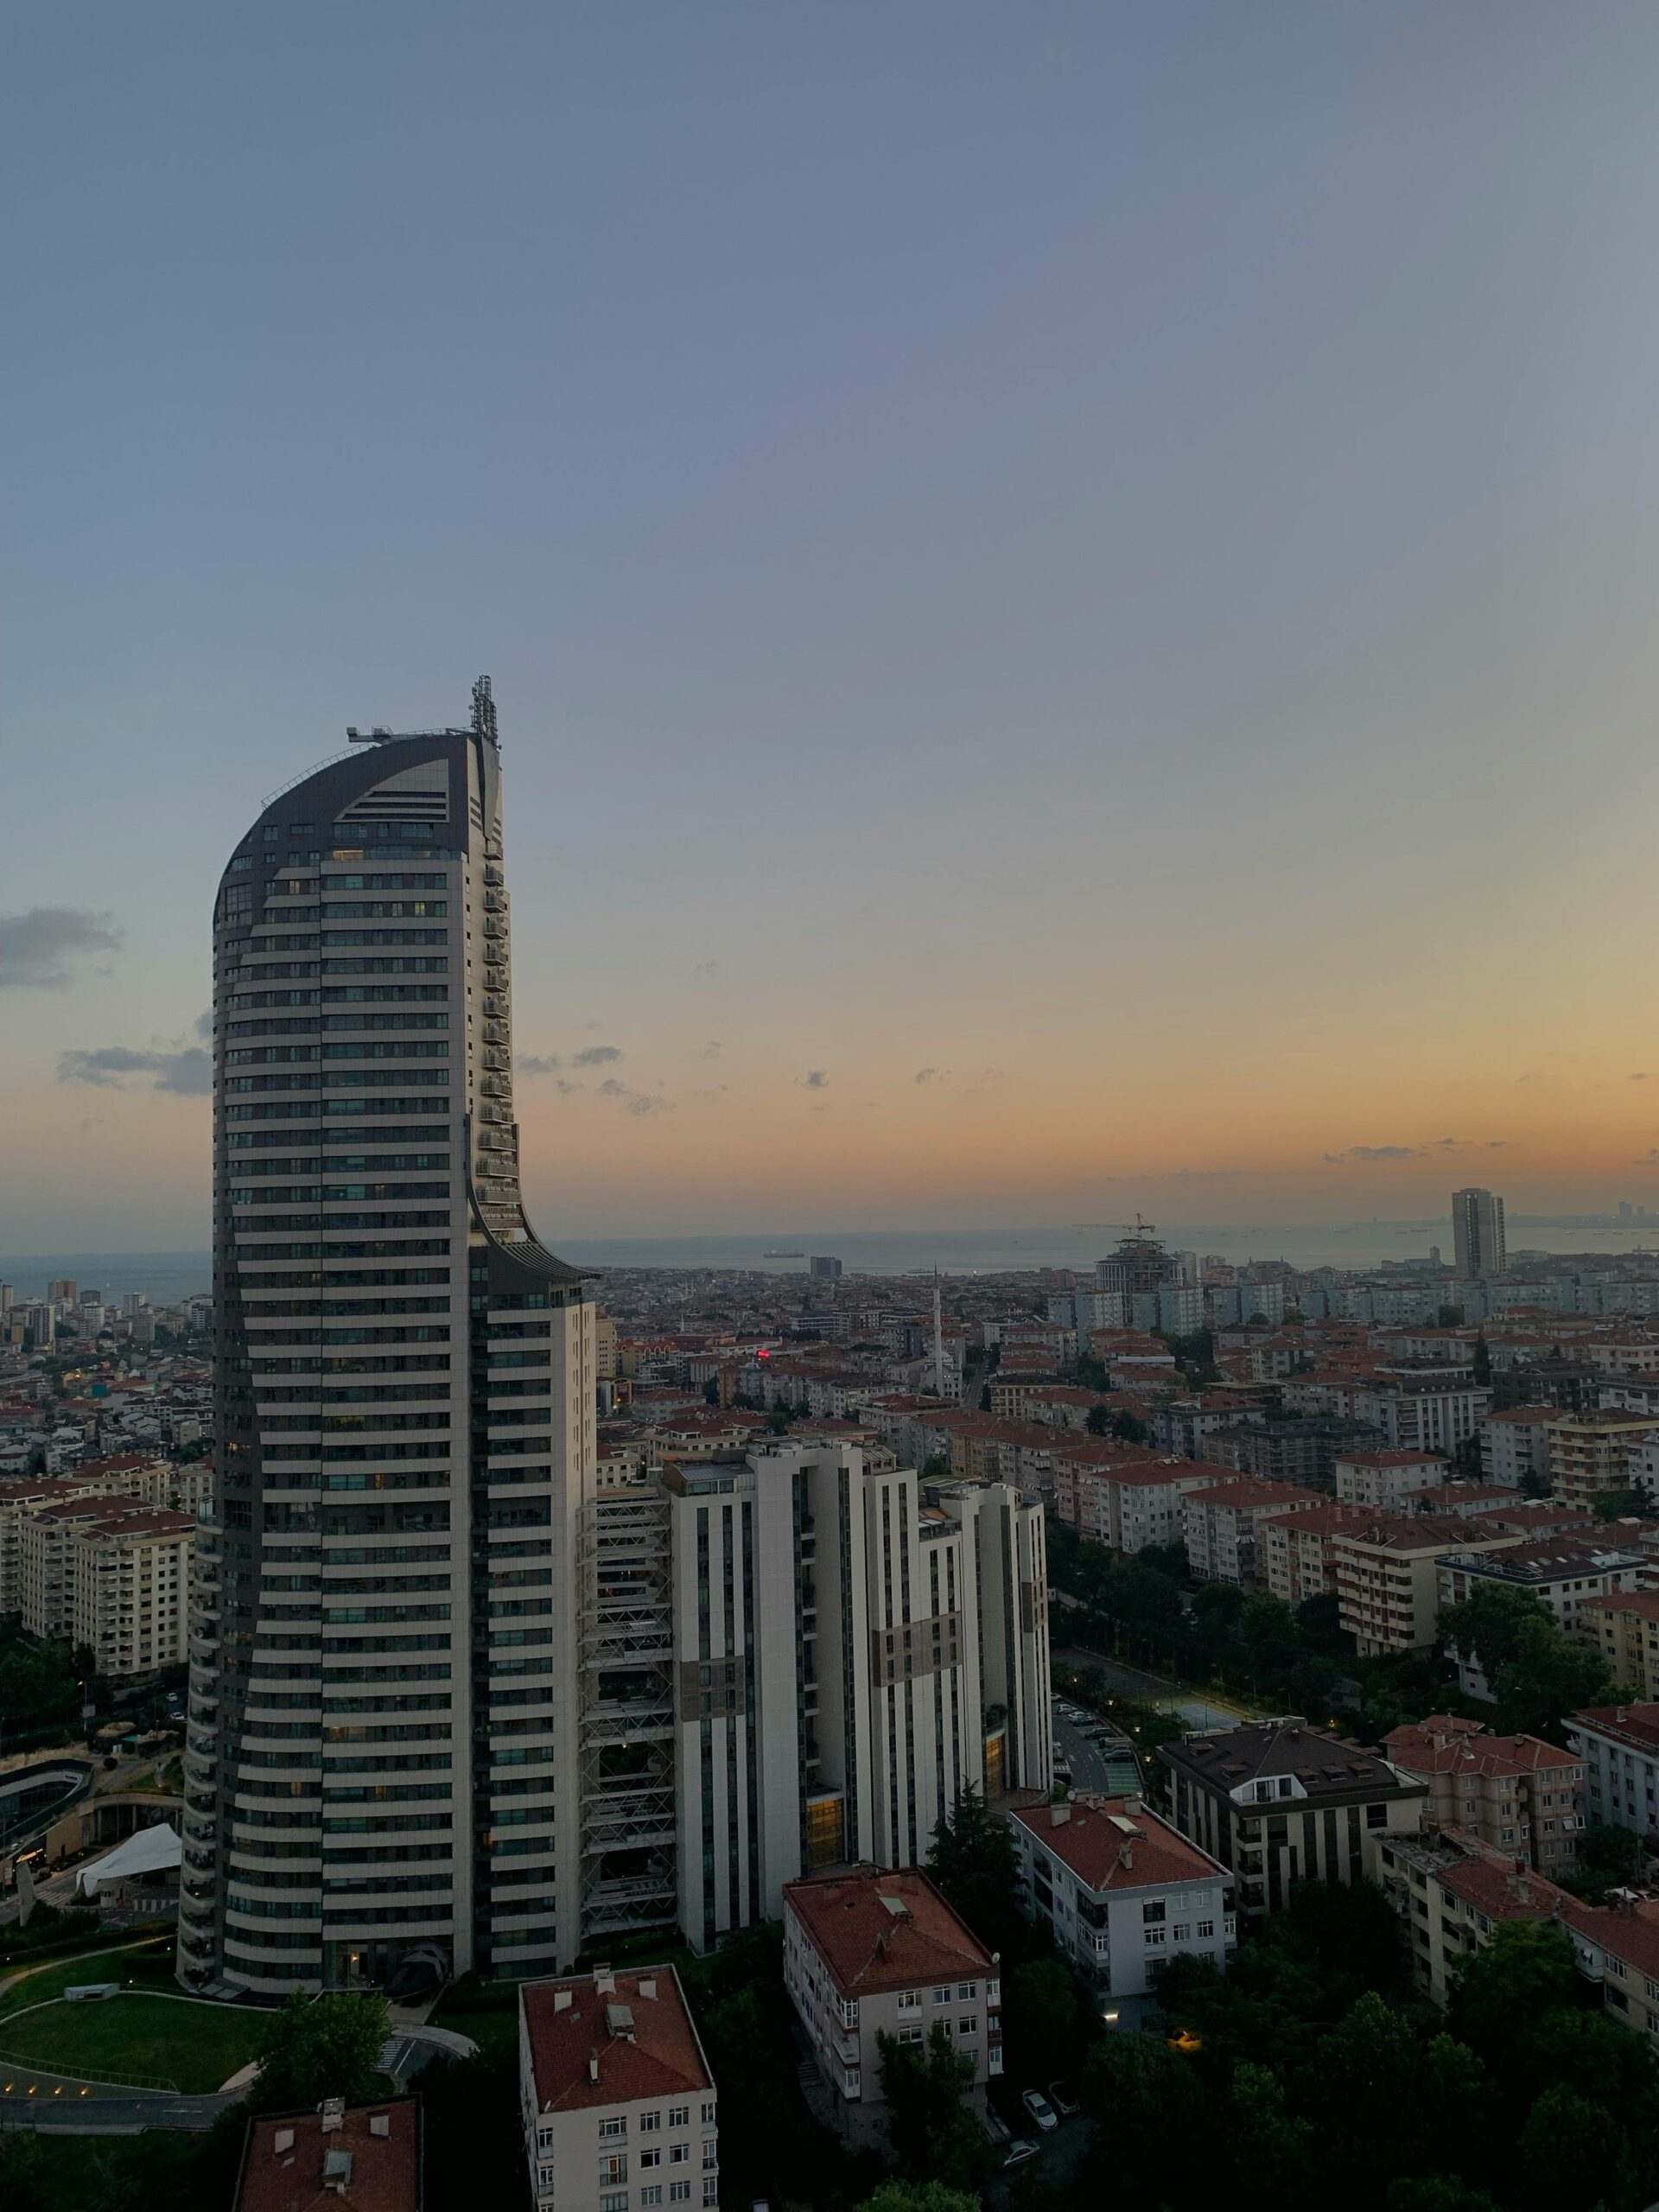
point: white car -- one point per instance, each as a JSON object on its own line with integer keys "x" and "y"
{"x": 1040, "y": 2109}
{"x": 1017, "y": 2153}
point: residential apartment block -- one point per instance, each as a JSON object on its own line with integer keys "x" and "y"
{"x": 1519, "y": 1795}
{"x": 1571, "y": 1573}
{"x": 1589, "y": 1452}
{"x": 1453, "y": 1892}
{"x": 1222, "y": 1528}
{"x": 1277, "y": 1802}
{"x": 1294, "y": 1553}
{"x": 620, "y": 2112}
{"x": 1515, "y": 1446}
{"x": 1388, "y": 1577}
{"x": 1128, "y": 1499}
{"x": 839, "y": 1636}
{"x": 867, "y": 1954}
{"x": 1120, "y": 1892}
{"x": 1627, "y": 1627}
{"x": 100, "y": 1569}
{"x": 1387, "y": 1481}
{"x": 1619, "y": 1747}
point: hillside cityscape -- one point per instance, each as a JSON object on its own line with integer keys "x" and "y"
{"x": 847, "y": 1401}
{"x": 859, "y": 1737}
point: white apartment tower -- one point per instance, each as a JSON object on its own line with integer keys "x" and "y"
{"x": 385, "y": 1764}
{"x": 1477, "y": 1233}
{"x": 850, "y": 1653}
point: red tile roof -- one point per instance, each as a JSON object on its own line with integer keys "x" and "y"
{"x": 884, "y": 1929}
{"x": 1634, "y": 1724}
{"x": 584, "y": 2052}
{"x": 1114, "y": 1843}
{"x": 386, "y": 2169}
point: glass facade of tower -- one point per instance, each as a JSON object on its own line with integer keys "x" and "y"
{"x": 383, "y": 1772}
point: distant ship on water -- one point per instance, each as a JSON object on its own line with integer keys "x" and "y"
{"x": 783, "y": 1255}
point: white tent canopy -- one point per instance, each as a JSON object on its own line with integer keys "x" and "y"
{"x": 147, "y": 1850}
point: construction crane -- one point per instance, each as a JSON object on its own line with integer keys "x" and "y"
{"x": 1140, "y": 1229}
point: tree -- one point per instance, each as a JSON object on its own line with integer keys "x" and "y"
{"x": 1435, "y": 2193}
{"x": 711, "y": 1390}
{"x": 1451, "y": 1317}
{"x": 1147, "y": 2107}
{"x": 1042, "y": 2021}
{"x": 1527, "y": 1970}
{"x": 319, "y": 2047}
{"x": 1128, "y": 1428}
{"x": 972, "y": 1858}
{"x": 1609, "y": 1857}
{"x": 1099, "y": 1422}
{"x": 1273, "y": 2152}
{"x": 1535, "y": 1671}
{"x": 934, "y": 2138}
{"x": 1619, "y": 1505}
{"x": 1571, "y": 2150}
{"x": 928, "y": 2196}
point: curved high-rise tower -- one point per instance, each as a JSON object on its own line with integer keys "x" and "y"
{"x": 383, "y": 1773}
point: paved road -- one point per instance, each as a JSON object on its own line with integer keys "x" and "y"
{"x": 49, "y": 2101}
{"x": 1167, "y": 1696}
{"x": 1090, "y": 1771}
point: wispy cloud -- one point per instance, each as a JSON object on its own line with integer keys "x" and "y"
{"x": 1365, "y": 1154}
{"x": 926, "y": 1076}
{"x": 814, "y": 1079}
{"x": 539, "y": 1064}
{"x": 712, "y": 1050}
{"x": 637, "y": 1102}
{"x": 595, "y": 1056}
{"x": 187, "y": 1070}
{"x": 39, "y": 949}
{"x": 590, "y": 1055}
{"x": 708, "y": 968}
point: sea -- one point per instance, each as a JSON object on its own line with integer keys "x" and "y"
{"x": 165, "y": 1278}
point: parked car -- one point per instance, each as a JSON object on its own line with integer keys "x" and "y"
{"x": 1040, "y": 2109}
{"x": 1017, "y": 2153}
{"x": 1062, "y": 2095}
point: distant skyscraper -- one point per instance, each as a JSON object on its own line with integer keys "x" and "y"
{"x": 1477, "y": 1233}
{"x": 821, "y": 1265}
{"x": 384, "y": 1771}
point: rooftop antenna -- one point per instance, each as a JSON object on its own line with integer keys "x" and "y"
{"x": 484, "y": 711}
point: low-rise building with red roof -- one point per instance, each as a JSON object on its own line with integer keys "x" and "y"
{"x": 336, "y": 2158}
{"x": 879, "y": 1952}
{"x": 619, "y": 2108}
{"x": 1516, "y": 1793}
{"x": 1121, "y": 1891}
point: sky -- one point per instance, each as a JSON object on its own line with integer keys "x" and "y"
{"x": 1069, "y": 588}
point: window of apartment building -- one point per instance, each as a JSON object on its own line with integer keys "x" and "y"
{"x": 617, "y": 2202}
{"x": 908, "y": 2035}
{"x": 1152, "y": 1912}
{"x": 1206, "y": 1928}
{"x": 614, "y": 2168}
{"x": 910, "y": 1999}
{"x": 679, "y": 2115}
{"x": 966, "y": 1989}
{"x": 650, "y": 2158}
{"x": 711, "y": 2191}
{"x": 649, "y": 2122}
{"x": 1376, "y": 1816}
{"x": 1182, "y": 1932}
{"x": 652, "y": 2195}
{"x": 709, "y": 2113}
{"x": 940, "y": 1996}
{"x": 968, "y": 2025}
{"x": 613, "y": 2130}
{"x": 679, "y": 2192}
{"x": 1155, "y": 1935}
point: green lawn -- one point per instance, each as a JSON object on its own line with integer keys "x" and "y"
{"x": 150, "y": 1966}
{"x": 195, "y": 2047}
